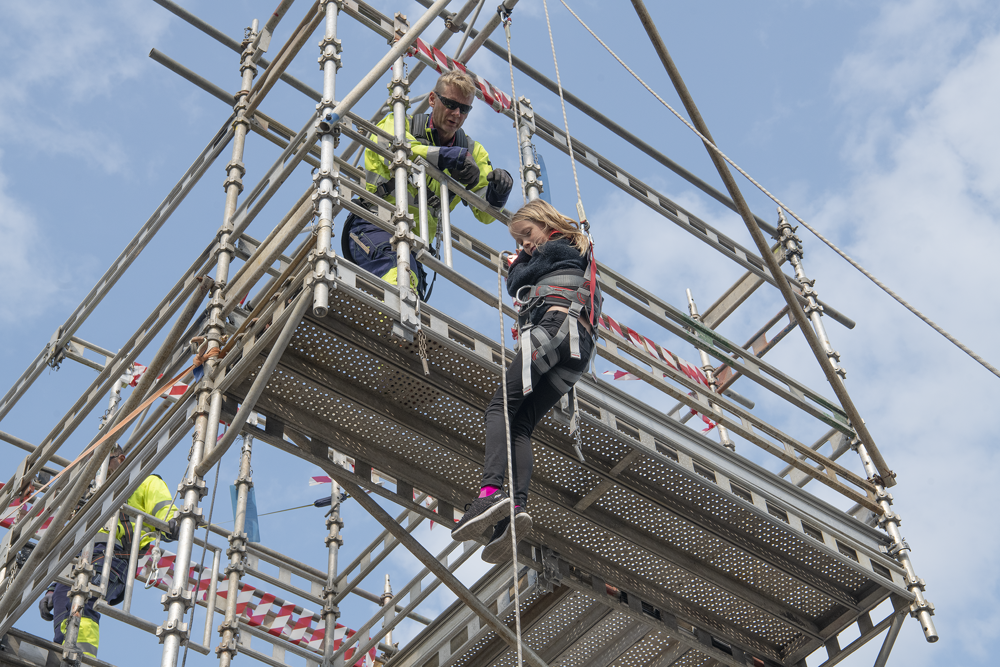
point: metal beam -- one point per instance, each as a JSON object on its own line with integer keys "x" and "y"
{"x": 781, "y": 281}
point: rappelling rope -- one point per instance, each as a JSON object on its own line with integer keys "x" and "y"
{"x": 505, "y": 19}
{"x": 569, "y": 139}
{"x": 711, "y": 146}
{"x": 584, "y": 224}
{"x": 510, "y": 457}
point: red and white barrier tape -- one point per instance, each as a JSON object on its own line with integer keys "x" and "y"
{"x": 442, "y": 63}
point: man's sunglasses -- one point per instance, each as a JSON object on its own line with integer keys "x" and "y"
{"x": 451, "y": 105}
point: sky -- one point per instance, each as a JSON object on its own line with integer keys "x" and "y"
{"x": 872, "y": 121}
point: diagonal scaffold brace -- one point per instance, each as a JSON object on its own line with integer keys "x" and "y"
{"x": 886, "y": 477}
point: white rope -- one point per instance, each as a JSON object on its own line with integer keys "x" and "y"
{"x": 517, "y": 115}
{"x": 510, "y": 458}
{"x": 711, "y": 146}
{"x": 569, "y": 141}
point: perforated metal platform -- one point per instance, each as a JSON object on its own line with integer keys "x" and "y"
{"x": 680, "y": 541}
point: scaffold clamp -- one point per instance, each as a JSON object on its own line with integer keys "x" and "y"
{"x": 552, "y": 571}
{"x": 172, "y": 628}
{"x": 328, "y": 122}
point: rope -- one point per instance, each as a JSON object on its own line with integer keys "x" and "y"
{"x": 287, "y": 509}
{"x": 505, "y": 17}
{"x": 125, "y": 422}
{"x": 569, "y": 140}
{"x": 712, "y": 147}
{"x": 510, "y": 459}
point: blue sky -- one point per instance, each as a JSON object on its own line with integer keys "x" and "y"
{"x": 874, "y": 121}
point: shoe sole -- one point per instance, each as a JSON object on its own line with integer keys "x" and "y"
{"x": 471, "y": 528}
{"x": 498, "y": 551}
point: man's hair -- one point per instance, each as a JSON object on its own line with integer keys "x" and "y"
{"x": 116, "y": 451}
{"x": 545, "y": 214}
{"x": 459, "y": 80}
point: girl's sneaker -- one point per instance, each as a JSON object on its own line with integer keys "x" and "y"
{"x": 479, "y": 515}
{"x": 498, "y": 549}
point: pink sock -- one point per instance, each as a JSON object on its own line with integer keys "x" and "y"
{"x": 487, "y": 491}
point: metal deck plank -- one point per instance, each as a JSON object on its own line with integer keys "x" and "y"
{"x": 404, "y": 470}
{"x": 358, "y": 329}
{"x": 294, "y": 363}
{"x": 773, "y": 556}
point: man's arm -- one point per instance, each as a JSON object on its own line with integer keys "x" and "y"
{"x": 494, "y": 184}
{"x": 376, "y": 166}
{"x": 483, "y": 160}
{"x": 446, "y": 158}
{"x": 154, "y": 497}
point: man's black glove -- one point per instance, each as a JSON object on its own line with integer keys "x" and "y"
{"x": 45, "y": 605}
{"x": 500, "y": 184}
{"x": 460, "y": 163}
{"x": 173, "y": 530}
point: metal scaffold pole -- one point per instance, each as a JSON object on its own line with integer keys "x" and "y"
{"x": 331, "y": 612}
{"x": 178, "y": 599}
{"x": 883, "y": 474}
{"x": 889, "y": 521}
{"x": 402, "y": 219}
{"x": 229, "y": 628}
{"x": 82, "y": 573}
{"x": 328, "y": 176}
{"x": 533, "y": 185}
{"x": 709, "y": 370}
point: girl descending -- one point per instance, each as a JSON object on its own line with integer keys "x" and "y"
{"x": 553, "y": 278}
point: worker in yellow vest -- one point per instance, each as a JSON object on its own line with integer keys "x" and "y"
{"x": 152, "y": 497}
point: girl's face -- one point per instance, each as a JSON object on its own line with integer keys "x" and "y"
{"x": 528, "y": 234}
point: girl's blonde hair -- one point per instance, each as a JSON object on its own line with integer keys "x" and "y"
{"x": 546, "y": 215}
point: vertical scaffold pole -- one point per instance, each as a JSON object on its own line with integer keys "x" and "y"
{"x": 793, "y": 251}
{"x": 889, "y": 521}
{"x": 331, "y": 612}
{"x": 533, "y": 185}
{"x": 327, "y": 178}
{"x": 709, "y": 370}
{"x": 229, "y": 628}
{"x": 402, "y": 218}
{"x": 390, "y": 614}
{"x": 174, "y": 631}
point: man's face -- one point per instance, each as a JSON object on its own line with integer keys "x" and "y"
{"x": 114, "y": 462}
{"x": 447, "y": 121}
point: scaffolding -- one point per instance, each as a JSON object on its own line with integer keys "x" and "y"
{"x": 654, "y": 543}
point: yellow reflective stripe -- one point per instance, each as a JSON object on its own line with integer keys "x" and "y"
{"x": 159, "y": 506}
{"x": 89, "y": 636}
{"x": 391, "y": 278}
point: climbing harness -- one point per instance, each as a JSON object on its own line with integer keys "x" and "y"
{"x": 781, "y": 206}
{"x": 568, "y": 288}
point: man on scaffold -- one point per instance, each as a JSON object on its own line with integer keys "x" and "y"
{"x": 439, "y": 139}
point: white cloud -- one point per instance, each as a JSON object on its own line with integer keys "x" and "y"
{"x": 910, "y": 48}
{"x": 60, "y": 58}
{"x": 30, "y": 281}
{"x": 921, "y": 213}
